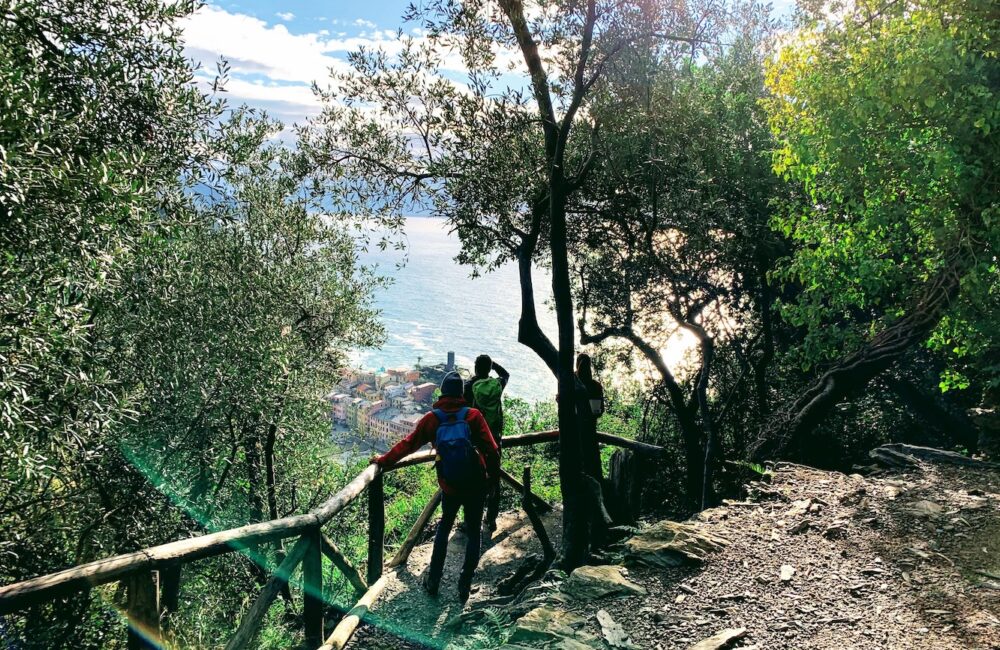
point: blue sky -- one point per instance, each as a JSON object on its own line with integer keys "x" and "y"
{"x": 276, "y": 49}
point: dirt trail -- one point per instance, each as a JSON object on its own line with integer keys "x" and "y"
{"x": 878, "y": 563}
{"x": 907, "y": 560}
{"x": 413, "y": 619}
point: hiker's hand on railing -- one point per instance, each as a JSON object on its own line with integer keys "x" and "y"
{"x": 374, "y": 460}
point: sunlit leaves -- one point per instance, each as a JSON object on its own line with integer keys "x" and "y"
{"x": 887, "y": 118}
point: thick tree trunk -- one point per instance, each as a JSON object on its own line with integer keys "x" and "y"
{"x": 762, "y": 365}
{"x": 528, "y": 331}
{"x": 556, "y": 133}
{"x": 625, "y": 480}
{"x": 694, "y": 454}
{"x": 853, "y": 373}
{"x": 251, "y": 455}
{"x": 709, "y": 457}
{"x": 575, "y": 538}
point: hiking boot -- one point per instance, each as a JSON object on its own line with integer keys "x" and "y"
{"x": 464, "y": 589}
{"x": 430, "y": 585}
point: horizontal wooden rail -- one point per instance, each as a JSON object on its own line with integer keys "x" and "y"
{"x": 35, "y": 590}
{"x": 634, "y": 445}
{"x": 342, "y": 634}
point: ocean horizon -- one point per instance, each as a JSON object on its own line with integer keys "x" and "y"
{"x": 434, "y": 306}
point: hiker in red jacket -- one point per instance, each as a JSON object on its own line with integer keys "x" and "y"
{"x": 467, "y": 456}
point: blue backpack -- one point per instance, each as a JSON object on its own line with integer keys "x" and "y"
{"x": 457, "y": 458}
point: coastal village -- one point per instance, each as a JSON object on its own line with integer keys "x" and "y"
{"x": 382, "y": 406}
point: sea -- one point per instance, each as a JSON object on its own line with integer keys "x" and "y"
{"x": 435, "y": 306}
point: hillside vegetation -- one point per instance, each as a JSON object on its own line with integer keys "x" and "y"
{"x": 811, "y": 206}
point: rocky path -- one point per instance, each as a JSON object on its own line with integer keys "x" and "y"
{"x": 813, "y": 559}
{"x": 406, "y": 617}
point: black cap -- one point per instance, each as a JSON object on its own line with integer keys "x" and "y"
{"x": 452, "y": 385}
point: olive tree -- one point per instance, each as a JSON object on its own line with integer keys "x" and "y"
{"x": 674, "y": 235}
{"x": 501, "y": 152}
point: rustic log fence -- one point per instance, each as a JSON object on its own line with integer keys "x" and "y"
{"x": 152, "y": 576}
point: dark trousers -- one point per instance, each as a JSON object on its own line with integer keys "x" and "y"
{"x": 472, "y": 503}
{"x": 493, "y": 490}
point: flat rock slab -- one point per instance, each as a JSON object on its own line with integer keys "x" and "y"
{"x": 593, "y": 582}
{"x": 669, "y": 544}
{"x": 721, "y": 639}
{"x": 614, "y": 633}
{"x": 553, "y": 628}
{"x": 926, "y": 509}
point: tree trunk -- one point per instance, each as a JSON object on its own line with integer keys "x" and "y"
{"x": 767, "y": 347}
{"x": 272, "y": 495}
{"x": 625, "y": 480}
{"x": 556, "y": 132}
{"x": 528, "y": 331}
{"x": 853, "y": 373}
{"x": 694, "y": 459}
{"x": 575, "y": 538}
{"x": 707, "y": 425}
{"x": 252, "y": 465}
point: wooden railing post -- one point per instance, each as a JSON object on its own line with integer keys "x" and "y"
{"x": 376, "y": 529}
{"x": 533, "y": 517}
{"x": 254, "y": 617}
{"x": 312, "y": 588}
{"x": 143, "y": 612}
{"x": 344, "y": 565}
{"x": 418, "y": 527}
{"x": 170, "y": 591}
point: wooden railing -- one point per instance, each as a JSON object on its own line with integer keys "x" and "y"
{"x": 151, "y": 576}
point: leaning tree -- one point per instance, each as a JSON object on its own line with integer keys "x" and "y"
{"x": 887, "y": 119}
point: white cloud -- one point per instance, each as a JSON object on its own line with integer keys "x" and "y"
{"x": 273, "y": 68}
{"x": 285, "y": 15}
{"x": 361, "y": 22}
{"x": 301, "y": 97}
{"x": 253, "y": 47}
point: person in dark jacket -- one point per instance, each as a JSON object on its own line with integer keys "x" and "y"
{"x": 594, "y": 389}
{"x": 590, "y": 407}
{"x": 469, "y": 498}
{"x": 485, "y": 393}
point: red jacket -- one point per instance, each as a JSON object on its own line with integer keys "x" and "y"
{"x": 426, "y": 432}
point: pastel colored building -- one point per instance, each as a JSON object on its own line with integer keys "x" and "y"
{"x": 422, "y": 392}
{"x": 380, "y": 424}
{"x": 338, "y": 406}
{"x": 353, "y": 408}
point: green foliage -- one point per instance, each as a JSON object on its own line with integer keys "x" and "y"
{"x": 493, "y": 630}
{"x": 756, "y": 468}
{"x": 888, "y": 120}
{"x": 175, "y": 303}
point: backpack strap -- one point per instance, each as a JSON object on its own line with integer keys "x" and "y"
{"x": 462, "y": 413}
{"x": 440, "y": 415}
